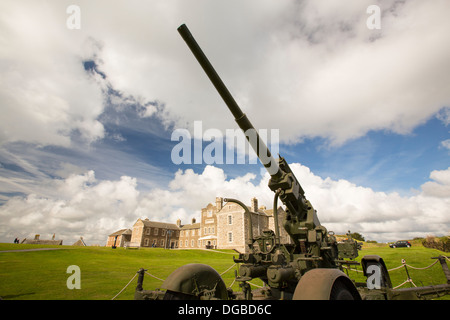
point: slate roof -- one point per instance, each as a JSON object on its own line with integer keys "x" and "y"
{"x": 120, "y": 232}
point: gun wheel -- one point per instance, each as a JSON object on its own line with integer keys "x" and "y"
{"x": 173, "y": 295}
{"x": 194, "y": 281}
{"x": 340, "y": 292}
{"x": 325, "y": 284}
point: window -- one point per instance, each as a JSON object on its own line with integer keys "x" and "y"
{"x": 147, "y": 231}
{"x": 162, "y": 242}
{"x": 230, "y": 219}
{"x": 146, "y": 242}
{"x": 192, "y": 243}
{"x": 163, "y": 232}
{"x": 230, "y": 236}
{"x": 186, "y": 243}
{"x": 155, "y": 232}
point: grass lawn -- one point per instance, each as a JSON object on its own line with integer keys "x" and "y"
{"x": 104, "y": 271}
{"x": 41, "y": 275}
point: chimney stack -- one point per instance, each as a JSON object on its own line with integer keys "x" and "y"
{"x": 254, "y": 205}
{"x": 219, "y": 203}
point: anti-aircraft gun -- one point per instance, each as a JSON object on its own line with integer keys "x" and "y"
{"x": 283, "y": 265}
{"x": 311, "y": 267}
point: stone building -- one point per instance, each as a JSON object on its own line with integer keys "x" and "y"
{"x": 38, "y": 240}
{"x": 146, "y": 233}
{"x": 119, "y": 238}
{"x": 233, "y": 226}
{"x": 221, "y": 226}
{"x": 80, "y": 242}
{"x": 209, "y": 224}
{"x": 189, "y": 235}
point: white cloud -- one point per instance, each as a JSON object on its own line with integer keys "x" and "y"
{"x": 440, "y": 187}
{"x": 45, "y": 95}
{"x": 444, "y": 116}
{"x": 381, "y": 216}
{"x": 313, "y": 66}
{"x": 81, "y": 205}
{"x": 446, "y": 144}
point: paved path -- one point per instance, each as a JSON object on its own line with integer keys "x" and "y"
{"x": 37, "y": 249}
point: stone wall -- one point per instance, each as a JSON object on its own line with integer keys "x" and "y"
{"x": 230, "y": 227}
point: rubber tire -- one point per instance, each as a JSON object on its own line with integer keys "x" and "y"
{"x": 340, "y": 292}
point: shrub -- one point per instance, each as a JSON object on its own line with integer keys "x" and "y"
{"x": 441, "y": 243}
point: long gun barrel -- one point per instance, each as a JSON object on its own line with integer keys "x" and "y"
{"x": 291, "y": 192}
{"x": 241, "y": 119}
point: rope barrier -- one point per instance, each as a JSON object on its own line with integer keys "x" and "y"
{"x": 351, "y": 269}
{"x": 255, "y": 285}
{"x": 400, "y": 266}
{"x": 406, "y": 281}
{"x": 153, "y": 276}
{"x": 396, "y": 268}
{"x": 404, "y": 262}
{"x": 235, "y": 278}
{"x": 125, "y": 286}
{"x": 403, "y": 265}
{"x": 131, "y": 281}
{"x": 228, "y": 269}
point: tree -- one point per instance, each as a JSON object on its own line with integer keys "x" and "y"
{"x": 357, "y": 236}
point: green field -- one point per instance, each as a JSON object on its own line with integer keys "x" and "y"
{"x": 417, "y": 256}
{"x": 42, "y": 275}
{"x": 104, "y": 271}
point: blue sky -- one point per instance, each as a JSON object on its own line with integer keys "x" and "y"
{"x": 382, "y": 160}
{"x": 88, "y": 114}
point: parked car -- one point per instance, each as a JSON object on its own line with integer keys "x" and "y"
{"x": 400, "y": 244}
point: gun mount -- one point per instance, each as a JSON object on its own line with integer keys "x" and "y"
{"x": 309, "y": 268}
